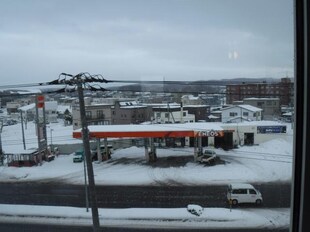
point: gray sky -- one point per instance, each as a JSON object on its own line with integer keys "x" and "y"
{"x": 145, "y": 40}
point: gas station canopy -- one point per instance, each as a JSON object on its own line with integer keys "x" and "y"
{"x": 153, "y": 130}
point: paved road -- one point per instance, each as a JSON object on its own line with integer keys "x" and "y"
{"x": 275, "y": 195}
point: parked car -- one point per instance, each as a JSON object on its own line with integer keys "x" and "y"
{"x": 239, "y": 193}
{"x": 78, "y": 156}
{"x": 208, "y": 157}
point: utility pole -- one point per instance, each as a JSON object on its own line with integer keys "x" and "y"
{"x": 79, "y": 81}
{"x": 1, "y": 151}
{"x": 22, "y": 124}
{"x": 90, "y": 172}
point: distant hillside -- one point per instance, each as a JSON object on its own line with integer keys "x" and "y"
{"x": 210, "y": 86}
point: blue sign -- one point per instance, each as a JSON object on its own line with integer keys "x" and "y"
{"x": 271, "y": 129}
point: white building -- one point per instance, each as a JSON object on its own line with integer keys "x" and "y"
{"x": 252, "y": 133}
{"x": 171, "y": 114}
{"x": 240, "y": 113}
{"x": 50, "y": 111}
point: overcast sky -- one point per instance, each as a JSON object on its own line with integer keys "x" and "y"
{"x": 145, "y": 40}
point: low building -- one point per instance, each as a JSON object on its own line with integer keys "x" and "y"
{"x": 171, "y": 113}
{"x": 240, "y": 113}
{"x": 99, "y": 114}
{"x": 250, "y": 133}
{"x": 130, "y": 112}
{"x": 50, "y": 111}
{"x": 271, "y": 109}
{"x": 201, "y": 112}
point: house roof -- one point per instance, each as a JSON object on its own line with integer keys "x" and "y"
{"x": 238, "y": 117}
{"x": 49, "y": 105}
{"x": 213, "y": 117}
{"x": 27, "y": 107}
{"x": 246, "y": 107}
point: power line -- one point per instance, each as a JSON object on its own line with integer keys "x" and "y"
{"x": 62, "y": 80}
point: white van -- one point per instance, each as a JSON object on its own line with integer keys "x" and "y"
{"x": 243, "y": 193}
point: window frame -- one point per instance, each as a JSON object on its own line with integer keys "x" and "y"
{"x": 300, "y": 201}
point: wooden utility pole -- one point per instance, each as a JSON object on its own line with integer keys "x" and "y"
{"x": 87, "y": 156}
{"x": 1, "y": 151}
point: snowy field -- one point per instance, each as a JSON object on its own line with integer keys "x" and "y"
{"x": 269, "y": 162}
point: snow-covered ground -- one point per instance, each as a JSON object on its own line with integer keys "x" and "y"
{"x": 149, "y": 217}
{"x": 269, "y": 162}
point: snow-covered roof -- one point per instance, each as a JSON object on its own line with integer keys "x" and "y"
{"x": 190, "y": 97}
{"x": 238, "y": 117}
{"x": 128, "y": 103}
{"x": 250, "y": 108}
{"x": 287, "y": 114}
{"x": 158, "y": 127}
{"x": 262, "y": 98}
{"x": 254, "y": 123}
{"x": 27, "y": 107}
{"x": 246, "y": 107}
{"x": 213, "y": 117}
{"x": 63, "y": 108}
{"x": 152, "y": 130}
{"x": 195, "y": 106}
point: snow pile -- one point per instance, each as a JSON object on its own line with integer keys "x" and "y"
{"x": 195, "y": 209}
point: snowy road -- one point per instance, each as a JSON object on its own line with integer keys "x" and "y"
{"x": 275, "y": 195}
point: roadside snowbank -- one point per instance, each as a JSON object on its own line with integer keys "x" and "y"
{"x": 149, "y": 217}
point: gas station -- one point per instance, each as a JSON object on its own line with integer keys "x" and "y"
{"x": 149, "y": 132}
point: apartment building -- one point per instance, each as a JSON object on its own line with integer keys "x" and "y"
{"x": 98, "y": 114}
{"x": 284, "y": 90}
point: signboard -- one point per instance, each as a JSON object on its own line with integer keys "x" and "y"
{"x": 40, "y": 123}
{"x": 271, "y": 129}
{"x": 209, "y": 133}
{"x": 40, "y": 101}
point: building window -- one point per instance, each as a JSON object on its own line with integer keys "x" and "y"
{"x": 166, "y": 115}
{"x": 233, "y": 114}
{"x": 246, "y": 114}
{"x": 88, "y": 114}
{"x": 100, "y": 114}
{"x": 260, "y": 103}
{"x": 184, "y": 114}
